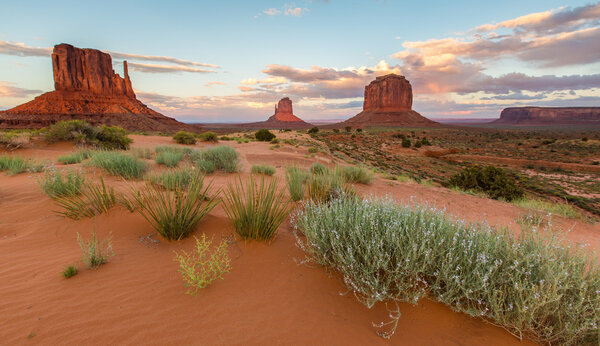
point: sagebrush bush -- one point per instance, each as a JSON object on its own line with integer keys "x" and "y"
{"x": 354, "y": 174}
{"x": 209, "y": 136}
{"x": 95, "y": 252}
{"x": 117, "y": 163}
{"x": 168, "y": 158}
{"x": 296, "y": 179}
{"x": 11, "y": 141}
{"x": 202, "y": 266}
{"x": 174, "y": 213}
{"x": 264, "y": 135}
{"x": 79, "y": 131}
{"x": 94, "y": 199}
{"x": 489, "y": 179}
{"x": 224, "y": 158}
{"x": 173, "y": 178}
{"x": 256, "y": 208}
{"x": 75, "y": 157}
{"x": 263, "y": 169}
{"x": 184, "y": 137}
{"x": 111, "y": 138}
{"x": 532, "y": 285}
{"x": 61, "y": 184}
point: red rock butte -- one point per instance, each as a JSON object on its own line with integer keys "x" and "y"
{"x": 549, "y": 116}
{"x": 283, "y": 118}
{"x": 388, "y": 102}
{"x": 87, "y": 88}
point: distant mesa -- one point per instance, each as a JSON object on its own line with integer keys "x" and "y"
{"x": 388, "y": 102}
{"x": 283, "y": 118}
{"x": 549, "y": 116}
{"x": 87, "y": 88}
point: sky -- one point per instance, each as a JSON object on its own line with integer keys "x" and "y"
{"x": 231, "y": 61}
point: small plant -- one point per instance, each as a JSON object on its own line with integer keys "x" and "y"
{"x": 169, "y": 158}
{"x": 348, "y": 128}
{"x": 489, "y": 179}
{"x": 184, "y": 137}
{"x": 202, "y": 267}
{"x": 73, "y": 158}
{"x": 69, "y": 272}
{"x": 95, "y": 253}
{"x": 94, "y": 200}
{"x": 336, "y": 130}
{"x": 296, "y": 179}
{"x": 120, "y": 164}
{"x": 313, "y": 130}
{"x": 174, "y": 213}
{"x": 325, "y": 187}
{"x": 13, "y": 141}
{"x": 206, "y": 167}
{"x": 256, "y": 208}
{"x": 275, "y": 141}
{"x": 264, "y": 135}
{"x": 222, "y": 157}
{"x": 111, "y": 138}
{"x": 406, "y": 143}
{"x": 312, "y": 150}
{"x": 263, "y": 169}
{"x": 209, "y": 136}
{"x": 56, "y": 184}
{"x": 354, "y": 174}
{"x": 141, "y": 153}
{"x": 318, "y": 168}
{"x": 13, "y": 164}
{"x": 173, "y": 178}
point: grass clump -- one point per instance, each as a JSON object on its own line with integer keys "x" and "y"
{"x": 56, "y": 184}
{"x": 169, "y": 158}
{"x": 141, "y": 153}
{"x": 119, "y": 164}
{"x": 73, "y": 158}
{"x": 264, "y": 135}
{"x": 184, "y": 137}
{"x": 296, "y": 179}
{"x": 174, "y": 213}
{"x": 69, "y": 272}
{"x": 531, "y": 284}
{"x": 489, "y": 179}
{"x": 263, "y": 169}
{"x": 354, "y": 174}
{"x": 222, "y": 157}
{"x": 565, "y": 210}
{"x": 173, "y": 178}
{"x": 318, "y": 168}
{"x": 95, "y": 252}
{"x": 324, "y": 187}
{"x": 256, "y": 208}
{"x": 94, "y": 199}
{"x": 13, "y": 164}
{"x": 202, "y": 267}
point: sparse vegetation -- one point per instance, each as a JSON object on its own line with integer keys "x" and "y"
{"x": 73, "y": 158}
{"x": 489, "y": 179}
{"x": 324, "y": 187}
{"x": 202, "y": 266}
{"x": 169, "y": 158}
{"x": 94, "y": 199}
{"x": 354, "y": 174}
{"x": 82, "y": 132}
{"x": 209, "y": 136}
{"x": 172, "y": 178}
{"x": 13, "y": 164}
{"x": 313, "y": 130}
{"x": 296, "y": 179}
{"x": 263, "y": 169}
{"x": 120, "y": 164}
{"x": 95, "y": 252}
{"x": 184, "y": 137}
{"x": 69, "y": 272}
{"x": 264, "y": 135}
{"x": 222, "y": 157}
{"x": 141, "y": 153}
{"x": 58, "y": 184}
{"x": 318, "y": 168}
{"x": 561, "y": 209}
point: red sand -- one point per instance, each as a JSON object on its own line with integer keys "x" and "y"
{"x": 138, "y": 297}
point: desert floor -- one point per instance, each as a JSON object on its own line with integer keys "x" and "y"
{"x": 138, "y": 297}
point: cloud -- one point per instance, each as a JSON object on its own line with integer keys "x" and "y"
{"x": 272, "y": 12}
{"x": 8, "y": 89}
{"x": 209, "y": 84}
{"x": 21, "y": 49}
{"x": 168, "y": 59}
{"x": 155, "y": 68}
{"x": 295, "y": 11}
{"x": 287, "y": 10}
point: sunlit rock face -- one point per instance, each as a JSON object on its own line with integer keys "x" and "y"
{"x": 283, "y": 118}
{"x": 389, "y": 92}
{"x": 549, "y": 115}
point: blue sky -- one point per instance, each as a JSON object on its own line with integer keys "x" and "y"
{"x": 464, "y": 59}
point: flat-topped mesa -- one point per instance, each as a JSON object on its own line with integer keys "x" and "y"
{"x": 549, "y": 116}
{"x": 88, "y": 70}
{"x": 387, "y": 93}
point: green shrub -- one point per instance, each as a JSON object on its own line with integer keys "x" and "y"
{"x": 168, "y": 158}
{"x": 406, "y": 143}
{"x": 209, "y": 136}
{"x": 94, "y": 200}
{"x": 174, "y": 213}
{"x": 224, "y": 158}
{"x": 141, "y": 153}
{"x": 95, "y": 253}
{"x": 324, "y": 187}
{"x": 531, "y": 284}
{"x": 296, "y": 179}
{"x": 173, "y": 178}
{"x": 264, "y": 135}
{"x": 256, "y": 209}
{"x": 348, "y": 128}
{"x": 120, "y": 164}
{"x": 75, "y": 157}
{"x": 358, "y": 130}
{"x": 263, "y": 169}
{"x": 69, "y": 271}
{"x": 312, "y": 150}
{"x": 184, "y": 137}
{"x": 78, "y": 131}
{"x": 13, "y": 164}
{"x": 489, "y": 179}
{"x": 201, "y": 267}
{"x": 56, "y": 184}
{"x": 275, "y": 141}
{"x": 354, "y": 174}
{"x": 170, "y": 149}
{"x": 336, "y": 130}
{"x": 112, "y": 138}
{"x": 13, "y": 141}
{"x": 206, "y": 167}
{"x": 318, "y": 168}
{"x": 313, "y": 130}
{"x": 565, "y": 210}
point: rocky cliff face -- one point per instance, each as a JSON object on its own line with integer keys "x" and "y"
{"x": 87, "y": 88}
{"x": 549, "y": 116}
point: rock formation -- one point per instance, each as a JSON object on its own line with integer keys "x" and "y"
{"x": 387, "y": 102}
{"x": 86, "y": 87}
{"x": 549, "y": 116}
{"x": 283, "y": 118}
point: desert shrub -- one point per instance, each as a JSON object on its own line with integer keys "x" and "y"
{"x": 406, "y": 143}
{"x": 399, "y": 135}
{"x": 264, "y": 135}
{"x": 95, "y": 252}
{"x": 174, "y": 213}
{"x": 275, "y": 141}
{"x": 69, "y": 272}
{"x": 75, "y": 157}
{"x": 206, "y": 167}
{"x": 184, "y": 137}
{"x": 56, "y": 184}
{"x": 120, "y": 164}
{"x": 354, "y": 174}
{"x": 565, "y": 210}
{"x": 170, "y": 149}
{"x": 12, "y": 141}
{"x": 226, "y": 138}
{"x": 93, "y": 200}
{"x": 201, "y": 267}
{"x": 296, "y": 178}
{"x": 359, "y": 130}
{"x": 111, "y": 138}
{"x": 312, "y": 150}
{"x": 209, "y": 136}
{"x": 489, "y": 179}
{"x": 417, "y": 144}
{"x": 313, "y": 130}
{"x": 531, "y": 284}
{"x": 318, "y": 168}
{"x": 172, "y": 178}
{"x": 78, "y": 131}
{"x": 256, "y": 209}
{"x": 141, "y": 153}
{"x": 224, "y": 158}
{"x": 425, "y": 141}
{"x": 348, "y": 128}
{"x": 336, "y": 130}
{"x": 263, "y": 169}
{"x": 13, "y": 164}
{"x": 324, "y": 187}
{"x": 168, "y": 158}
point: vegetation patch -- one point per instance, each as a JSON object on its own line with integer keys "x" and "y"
{"x": 82, "y": 132}
{"x": 120, "y": 164}
{"x": 263, "y": 169}
{"x": 169, "y": 158}
{"x": 209, "y": 136}
{"x": 69, "y": 272}
{"x": 58, "y": 184}
{"x": 489, "y": 179}
{"x": 73, "y": 158}
{"x": 184, "y": 137}
{"x": 354, "y": 174}
{"x": 173, "y": 178}
{"x": 14, "y": 164}
{"x": 95, "y": 252}
{"x": 264, "y": 135}
{"x": 221, "y": 157}
{"x": 296, "y": 179}
{"x": 94, "y": 199}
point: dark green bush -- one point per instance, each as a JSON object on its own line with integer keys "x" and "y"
{"x": 359, "y": 130}
{"x": 264, "y": 135}
{"x": 112, "y": 138}
{"x": 82, "y": 132}
{"x": 313, "y": 130}
{"x": 348, "y": 128}
{"x": 489, "y": 179}
{"x": 209, "y": 136}
{"x": 406, "y": 143}
{"x": 336, "y": 130}
{"x": 184, "y": 137}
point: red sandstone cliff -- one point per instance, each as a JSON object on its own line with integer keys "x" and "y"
{"x": 283, "y": 118}
{"x": 86, "y": 87}
{"x": 549, "y": 116}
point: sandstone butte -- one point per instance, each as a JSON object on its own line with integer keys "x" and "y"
{"x": 388, "y": 102}
{"x": 549, "y": 116}
{"x": 283, "y": 118}
{"x": 87, "y": 88}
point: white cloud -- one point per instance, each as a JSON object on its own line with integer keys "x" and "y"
{"x": 272, "y": 12}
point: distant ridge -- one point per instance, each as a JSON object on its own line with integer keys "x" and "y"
{"x": 549, "y": 116}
